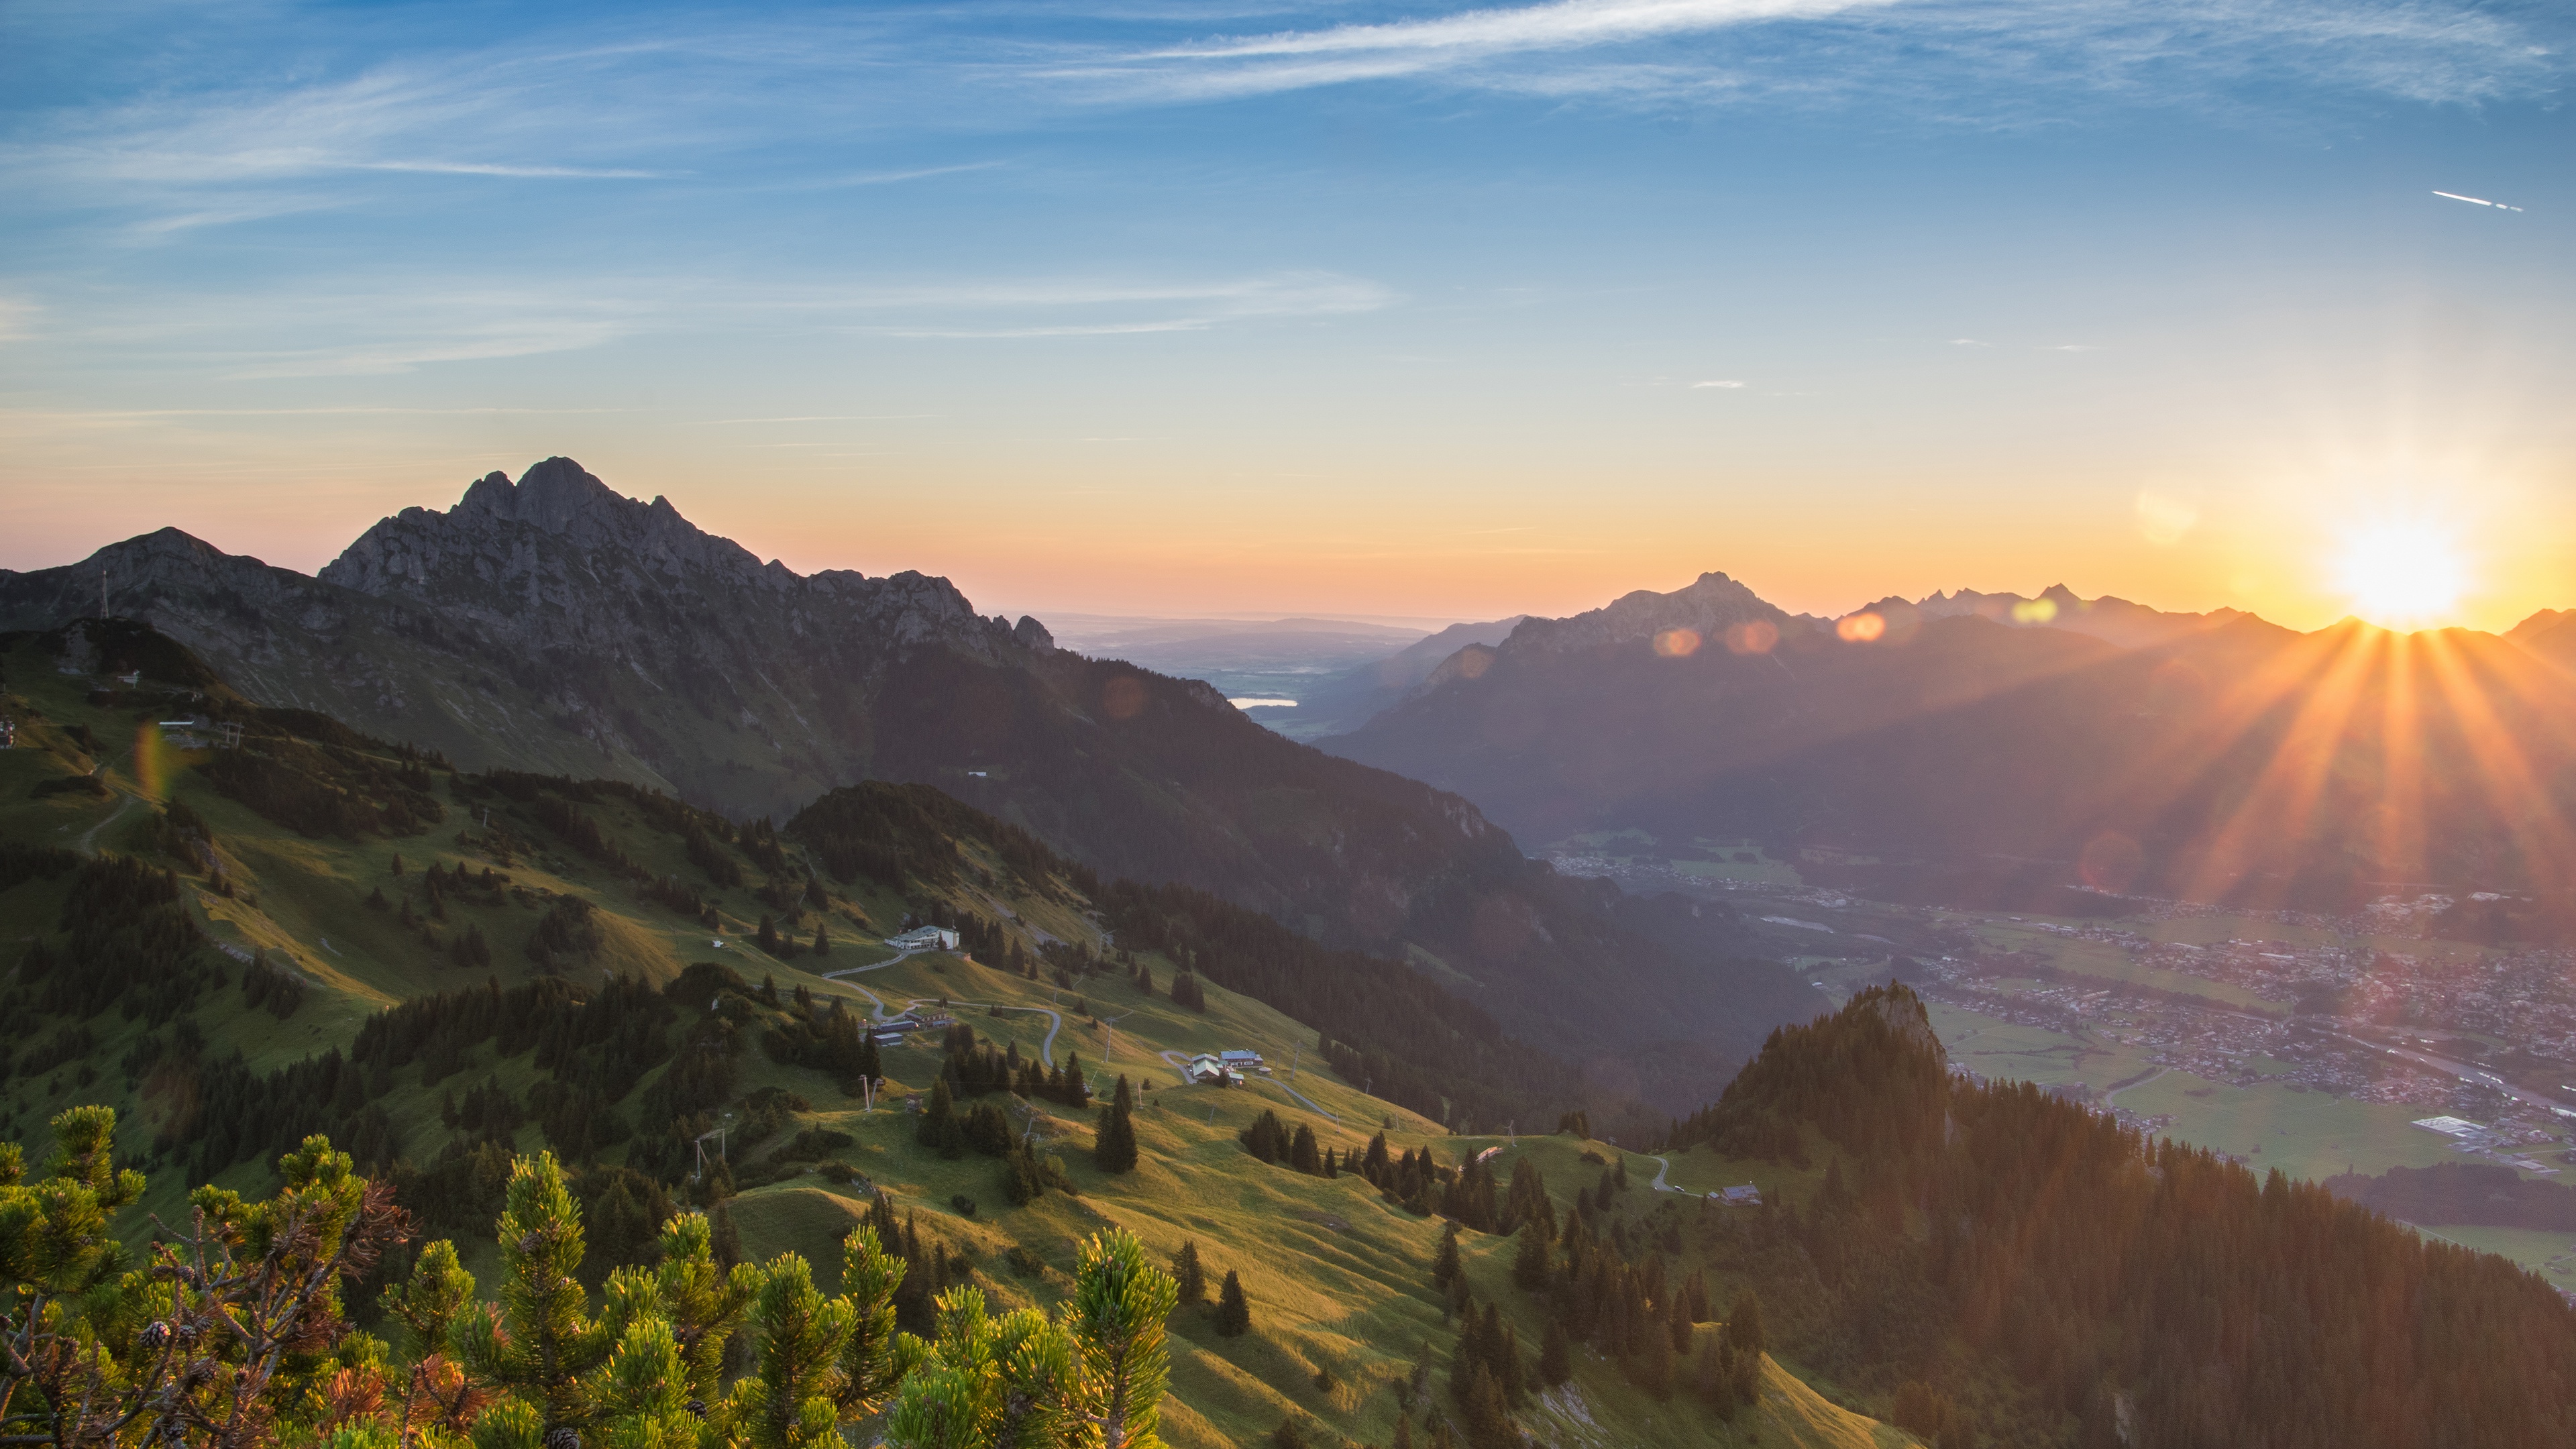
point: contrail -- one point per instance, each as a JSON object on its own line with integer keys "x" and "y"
{"x": 2475, "y": 201}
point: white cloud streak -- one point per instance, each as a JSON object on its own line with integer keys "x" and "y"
{"x": 1297, "y": 60}
{"x": 400, "y": 325}
{"x": 1962, "y": 56}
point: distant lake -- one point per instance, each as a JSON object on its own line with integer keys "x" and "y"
{"x": 1259, "y": 703}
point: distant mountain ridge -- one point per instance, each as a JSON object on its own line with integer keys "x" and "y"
{"x": 555, "y": 626}
{"x": 2045, "y": 741}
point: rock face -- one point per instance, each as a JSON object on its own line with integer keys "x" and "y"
{"x": 740, "y": 683}
{"x": 555, "y": 625}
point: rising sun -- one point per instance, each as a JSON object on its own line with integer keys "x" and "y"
{"x": 2403, "y": 574}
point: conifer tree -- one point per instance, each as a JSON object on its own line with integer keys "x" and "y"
{"x": 1303, "y": 1154}
{"x": 1487, "y": 1417}
{"x": 1189, "y": 1275}
{"x": 1529, "y": 1259}
{"x": 1233, "y": 1310}
{"x": 544, "y": 1342}
{"x": 1444, "y": 1266}
{"x": 822, "y": 939}
{"x": 940, "y": 1130}
{"x": 438, "y": 1291}
{"x": 1116, "y": 1316}
{"x": 1114, "y": 1148}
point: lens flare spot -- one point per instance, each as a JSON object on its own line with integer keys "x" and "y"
{"x": 1123, "y": 697}
{"x": 1758, "y": 636}
{"x": 1861, "y": 628}
{"x": 2034, "y": 611}
{"x": 1677, "y": 643}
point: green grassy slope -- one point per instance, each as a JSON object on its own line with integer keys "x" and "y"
{"x": 1339, "y": 1277}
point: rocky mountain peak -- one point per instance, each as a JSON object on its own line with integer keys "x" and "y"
{"x": 1709, "y": 606}
{"x": 556, "y": 498}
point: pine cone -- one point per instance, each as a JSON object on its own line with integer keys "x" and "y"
{"x": 564, "y": 1438}
{"x": 156, "y": 1336}
{"x": 697, "y": 1408}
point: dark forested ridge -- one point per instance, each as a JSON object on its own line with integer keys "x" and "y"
{"x": 2015, "y": 1250}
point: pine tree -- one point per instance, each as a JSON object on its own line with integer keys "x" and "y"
{"x": 1114, "y": 1148}
{"x": 822, "y": 940}
{"x": 1529, "y": 1259}
{"x": 1191, "y": 1277}
{"x": 544, "y": 1343}
{"x": 1444, "y": 1267}
{"x": 940, "y": 1131}
{"x": 1116, "y": 1315}
{"x": 1488, "y": 1418}
{"x": 1233, "y": 1310}
{"x": 768, "y": 934}
{"x": 1303, "y": 1154}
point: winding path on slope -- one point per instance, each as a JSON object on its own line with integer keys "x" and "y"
{"x": 1046, "y": 1049}
{"x": 88, "y": 842}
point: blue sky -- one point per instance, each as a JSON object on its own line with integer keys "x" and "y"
{"x": 1400, "y": 309}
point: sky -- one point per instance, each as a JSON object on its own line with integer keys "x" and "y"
{"x": 1415, "y": 310}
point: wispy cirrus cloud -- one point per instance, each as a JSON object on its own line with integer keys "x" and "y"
{"x": 358, "y": 327}
{"x": 1299, "y": 59}
{"x": 1964, "y": 57}
{"x": 497, "y": 168}
{"x": 1104, "y": 309}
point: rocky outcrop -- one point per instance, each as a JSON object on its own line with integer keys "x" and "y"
{"x": 561, "y": 561}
